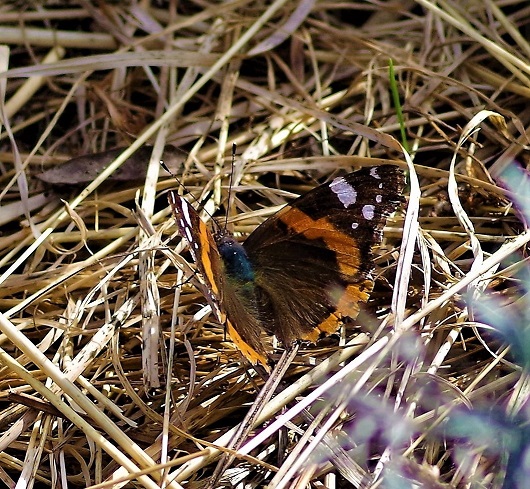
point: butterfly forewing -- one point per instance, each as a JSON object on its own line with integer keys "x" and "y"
{"x": 313, "y": 258}
{"x": 229, "y": 307}
{"x": 202, "y": 245}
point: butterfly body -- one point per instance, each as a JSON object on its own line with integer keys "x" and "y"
{"x": 235, "y": 259}
{"x": 302, "y": 271}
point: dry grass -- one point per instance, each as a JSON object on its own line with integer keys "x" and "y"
{"x": 110, "y": 372}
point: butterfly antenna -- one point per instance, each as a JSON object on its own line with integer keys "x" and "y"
{"x": 177, "y": 179}
{"x": 201, "y": 203}
{"x": 230, "y": 183}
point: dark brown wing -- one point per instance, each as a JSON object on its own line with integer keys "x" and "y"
{"x": 313, "y": 259}
{"x": 227, "y": 303}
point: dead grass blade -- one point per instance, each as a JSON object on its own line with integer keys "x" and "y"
{"x": 112, "y": 370}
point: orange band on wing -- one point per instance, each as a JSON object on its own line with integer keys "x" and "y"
{"x": 249, "y": 352}
{"x": 343, "y": 245}
{"x": 347, "y": 305}
{"x": 206, "y": 250}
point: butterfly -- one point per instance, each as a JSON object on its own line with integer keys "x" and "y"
{"x": 302, "y": 271}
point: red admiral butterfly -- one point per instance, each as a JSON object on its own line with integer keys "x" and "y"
{"x": 304, "y": 269}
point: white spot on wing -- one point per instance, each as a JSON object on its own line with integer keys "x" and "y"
{"x": 379, "y": 198}
{"x": 368, "y": 212}
{"x": 354, "y": 225}
{"x": 186, "y": 212}
{"x": 380, "y": 185}
{"x": 189, "y": 237}
{"x": 373, "y": 172}
{"x": 344, "y": 191}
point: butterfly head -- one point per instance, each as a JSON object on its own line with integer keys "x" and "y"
{"x": 235, "y": 259}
